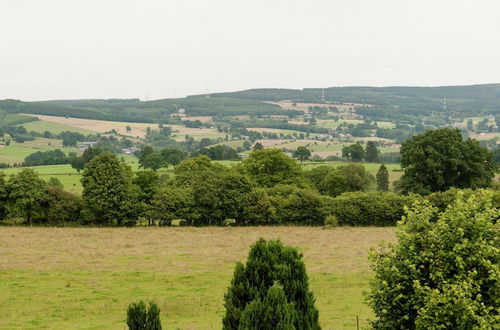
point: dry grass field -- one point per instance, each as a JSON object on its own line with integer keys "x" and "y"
{"x": 62, "y": 278}
{"x": 100, "y": 126}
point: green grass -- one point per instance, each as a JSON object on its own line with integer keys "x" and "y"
{"x": 54, "y": 128}
{"x": 16, "y": 152}
{"x": 84, "y": 278}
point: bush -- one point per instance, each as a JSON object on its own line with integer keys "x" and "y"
{"x": 369, "y": 208}
{"x": 140, "y": 317}
{"x": 268, "y": 263}
{"x": 331, "y": 221}
{"x": 444, "y": 272}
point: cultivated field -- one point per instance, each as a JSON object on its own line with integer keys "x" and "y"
{"x": 84, "y": 278}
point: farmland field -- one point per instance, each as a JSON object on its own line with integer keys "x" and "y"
{"x": 85, "y": 277}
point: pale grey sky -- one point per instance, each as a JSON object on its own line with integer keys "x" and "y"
{"x": 62, "y": 49}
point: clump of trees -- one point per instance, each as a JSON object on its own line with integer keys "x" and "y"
{"x": 444, "y": 272}
{"x": 270, "y": 291}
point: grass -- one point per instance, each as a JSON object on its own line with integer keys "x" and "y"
{"x": 84, "y": 278}
{"x": 16, "y": 152}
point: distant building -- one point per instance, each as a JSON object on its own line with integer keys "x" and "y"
{"x": 85, "y": 145}
{"x": 130, "y": 150}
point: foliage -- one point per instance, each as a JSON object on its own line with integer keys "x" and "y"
{"x": 153, "y": 161}
{"x": 302, "y": 153}
{"x": 79, "y": 162}
{"x": 145, "y": 151}
{"x": 54, "y": 182}
{"x": 25, "y": 193}
{"x": 189, "y": 170}
{"x": 438, "y": 160}
{"x": 142, "y": 317}
{"x": 268, "y": 167}
{"x": 369, "y": 209}
{"x": 272, "y": 312}
{"x": 371, "y": 152}
{"x": 173, "y": 156}
{"x": 382, "y": 178}
{"x": 335, "y": 181}
{"x": 354, "y": 152}
{"x": 267, "y": 263}
{"x": 218, "y": 153}
{"x": 108, "y": 191}
{"x": 51, "y": 157}
{"x": 444, "y": 273}
{"x": 171, "y": 203}
{"x": 59, "y": 206}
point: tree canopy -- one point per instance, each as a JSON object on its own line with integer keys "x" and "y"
{"x": 439, "y": 159}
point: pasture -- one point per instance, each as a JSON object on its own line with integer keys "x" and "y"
{"x": 84, "y": 278}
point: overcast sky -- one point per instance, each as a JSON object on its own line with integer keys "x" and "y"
{"x": 151, "y": 49}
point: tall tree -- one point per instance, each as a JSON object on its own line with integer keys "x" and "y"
{"x": 354, "y": 152}
{"x": 107, "y": 190}
{"x": 25, "y": 192}
{"x": 154, "y": 161}
{"x": 382, "y": 178}
{"x": 444, "y": 271}
{"x": 267, "y": 263}
{"x": 371, "y": 152}
{"x": 268, "y": 167}
{"x": 145, "y": 151}
{"x": 302, "y": 153}
{"x": 439, "y": 159}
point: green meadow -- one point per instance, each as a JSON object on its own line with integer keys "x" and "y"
{"x": 84, "y": 278}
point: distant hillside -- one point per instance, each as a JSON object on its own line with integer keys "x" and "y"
{"x": 392, "y": 102}
{"x": 408, "y": 104}
{"x": 133, "y": 110}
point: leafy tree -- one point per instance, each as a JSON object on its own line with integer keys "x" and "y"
{"x": 354, "y": 152}
{"x": 382, "y": 178}
{"x": 444, "y": 272}
{"x": 107, "y": 190}
{"x": 335, "y": 181}
{"x": 4, "y": 194}
{"x": 142, "y": 317}
{"x": 54, "y": 182}
{"x": 221, "y": 195}
{"x": 173, "y": 156}
{"x": 439, "y": 159}
{"x": 371, "y": 152}
{"x": 154, "y": 161}
{"x": 171, "y": 203}
{"x": 302, "y": 153}
{"x": 189, "y": 170}
{"x": 268, "y": 167}
{"x": 273, "y": 312}
{"x": 148, "y": 183}
{"x": 59, "y": 206}
{"x": 25, "y": 192}
{"x": 269, "y": 263}
{"x": 258, "y": 146}
{"x": 78, "y": 163}
{"x": 128, "y": 129}
{"x": 145, "y": 151}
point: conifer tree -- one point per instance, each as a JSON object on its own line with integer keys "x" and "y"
{"x": 371, "y": 152}
{"x": 268, "y": 263}
{"x": 383, "y": 178}
{"x": 142, "y": 317}
{"x": 272, "y": 313}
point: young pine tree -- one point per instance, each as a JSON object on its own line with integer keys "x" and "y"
{"x": 268, "y": 263}
{"x": 383, "y": 178}
{"x": 140, "y": 317}
{"x": 272, "y": 313}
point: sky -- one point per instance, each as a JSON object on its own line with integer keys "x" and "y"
{"x": 153, "y": 49}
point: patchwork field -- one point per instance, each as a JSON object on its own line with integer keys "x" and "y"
{"x": 84, "y": 278}
{"x": 100, "y": 126}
